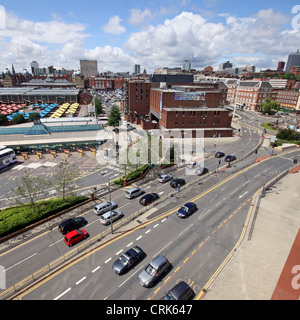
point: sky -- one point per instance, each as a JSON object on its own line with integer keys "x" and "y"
{"x": 154, "y": 34}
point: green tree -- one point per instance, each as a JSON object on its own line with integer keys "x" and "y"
{"x": 114, "y": 116}
{"x": 98, "y": 106}
{"x": 269, "y": 106}
{"x": 30, "y": 188}
{"x": 2, "y": 118}
{"x": 64, "y": 178}
{"x": 34, "y": 116}
{"x": 18, "y": 118}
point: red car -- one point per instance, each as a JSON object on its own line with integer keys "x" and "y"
{"x": 75, "y": 236}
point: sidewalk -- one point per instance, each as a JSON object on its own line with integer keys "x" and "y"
{"x": 255, "y": 270}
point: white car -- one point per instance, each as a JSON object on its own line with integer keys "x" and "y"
{"x": 192, "y": 165}
{"x": 165, "y": 177}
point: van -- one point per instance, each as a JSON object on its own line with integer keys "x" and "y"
{"x": 181, "y": 291}
{"x": 133, "y": 193}
{"x": 104, "y": 207}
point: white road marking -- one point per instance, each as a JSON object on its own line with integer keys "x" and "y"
{"x": 119, "y": 252}
{"x": 107, "y": 260}
{"x": 62, "y": 294}
{"x": 241, "y": 196}
{"x": 139, "y": 238}
{"x": 96, "y": 269}
{"x": 20, "y": 262}
{"x": 79, "y": 281}
{"x": 129, "y": 244}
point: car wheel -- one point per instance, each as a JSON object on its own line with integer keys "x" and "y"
{"x": 70, "y": 245}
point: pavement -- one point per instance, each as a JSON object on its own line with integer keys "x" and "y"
{"x": 267, "y": 267}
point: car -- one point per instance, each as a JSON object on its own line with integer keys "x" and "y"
{"x": 148, "y": 198}
{"x": 192, "y": 165}
{"x": 165, "y": 178}
{"x": 187, "y": 210}
{"x": 230, "y": 158}
{"x": 128, "y": 259}
{"x": 111, "y": 216}
{"x": 177, "y": 182}
{"x": 103, "y": 207}
{"x": 219, "y": 154}
{"x": 71, "y": 224}
{"x": 153, "y": 271}
{"x": 133, "y": 192}
{"x": 75, "y": 236}
{"x": 201, "y": 171}
{"x": 182, "y": 291}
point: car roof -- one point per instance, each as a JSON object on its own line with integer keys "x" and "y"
{"x": 158, "y": 261}
{"x": 189, "y": 204}
{"x": 133, "y": 189}
{"x": 71, "y": 234}
{"x": 179, "y": 289}
{"x": 66, "y": 222}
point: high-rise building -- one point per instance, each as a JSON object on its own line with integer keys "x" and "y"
{"x": 293, "y": 61}
{"x": 35, "y": 69}
{"x": 89, "y": 67}
{"x": 225, "y": 65}
{"x": 137, "y": 69}
{"x": 186, "y": 65}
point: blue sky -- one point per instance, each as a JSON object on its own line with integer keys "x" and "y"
{"x": 119, "y": 34}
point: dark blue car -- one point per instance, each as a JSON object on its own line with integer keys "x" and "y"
{"x": 187, "y": 209}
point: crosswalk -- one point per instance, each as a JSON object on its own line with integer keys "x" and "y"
{"x": 34, "y": 165}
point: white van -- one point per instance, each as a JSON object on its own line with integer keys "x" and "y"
{"x": 133, "y": 193}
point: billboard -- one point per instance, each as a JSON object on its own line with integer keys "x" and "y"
{"x": 188, "y": 96}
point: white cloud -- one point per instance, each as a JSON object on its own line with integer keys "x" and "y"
{"x": 114, "y": 26}
{"x": 139, "y": 17}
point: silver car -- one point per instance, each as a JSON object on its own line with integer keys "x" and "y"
{"x": 111, "y": 216}
{"x": 165, "y": 177}
{"x": 103, "y": 207}
{"x": 154, "y": 271}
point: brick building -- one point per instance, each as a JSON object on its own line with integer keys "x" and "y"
{"x": 249, "y": 93}
{"x": 190, "y": 107}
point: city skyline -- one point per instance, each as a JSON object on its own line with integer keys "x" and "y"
{"x": 150, "y": 34}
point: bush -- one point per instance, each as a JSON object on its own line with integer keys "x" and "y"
{"x": 132, "y": 175}
{"x": 16, "y": 218}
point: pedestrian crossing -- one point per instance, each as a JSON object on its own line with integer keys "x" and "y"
{"x": 34, "y": 165}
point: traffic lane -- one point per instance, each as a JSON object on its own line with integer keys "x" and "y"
{"x": 30, "y": 254}
{"x": 149, "y": 238}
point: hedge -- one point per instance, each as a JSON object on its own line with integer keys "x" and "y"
{"x": 16, "y": 218}
{"x": 132, "y": 175}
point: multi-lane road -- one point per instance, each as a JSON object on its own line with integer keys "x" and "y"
{"x": 195, "y": 246}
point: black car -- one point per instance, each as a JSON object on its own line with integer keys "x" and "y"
{"x": 201, "y": 171}
{"x": 177, "y": 182}
{"x": 148, "y": 198}
{"x": 128, "y": 259}
{"x": 219, "y": 154}
{"x": 182, "y": 291}
{"x": 71, "y": 224}
{"x": 230, "y": 158}
{"x": 187, "y": 209}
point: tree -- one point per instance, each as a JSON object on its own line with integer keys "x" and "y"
{"x": 269, "y": 106}
{"x": 98, "y": 106}
{"x": 2, "y": 118}
{"x": 34, "y": 116}
{"x": 65, "y": 177}
{"x": 30, "y": 188}
{"x": 114, "y": 116}
{"x": 18, "y": 118}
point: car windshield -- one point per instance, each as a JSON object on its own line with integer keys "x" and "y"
{"x": 79, "y": 231}
{"x": 185, "y": 209}
{"x": 150, "y": 270}
{"x": 168, "y": 296}
{"x": 124, "y": 259}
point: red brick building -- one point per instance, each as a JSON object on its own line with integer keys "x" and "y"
{"x": 190, "y": 107}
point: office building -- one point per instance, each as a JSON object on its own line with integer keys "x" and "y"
{"x": 137, "y": 69}
{"x": 293, "y": 61}
{"x": 89, "y": 68}
{"x": 186, "y": 65}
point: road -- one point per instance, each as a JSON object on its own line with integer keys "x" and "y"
{"x": 206, "y": 237}
{"x": 203, "y": 240}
